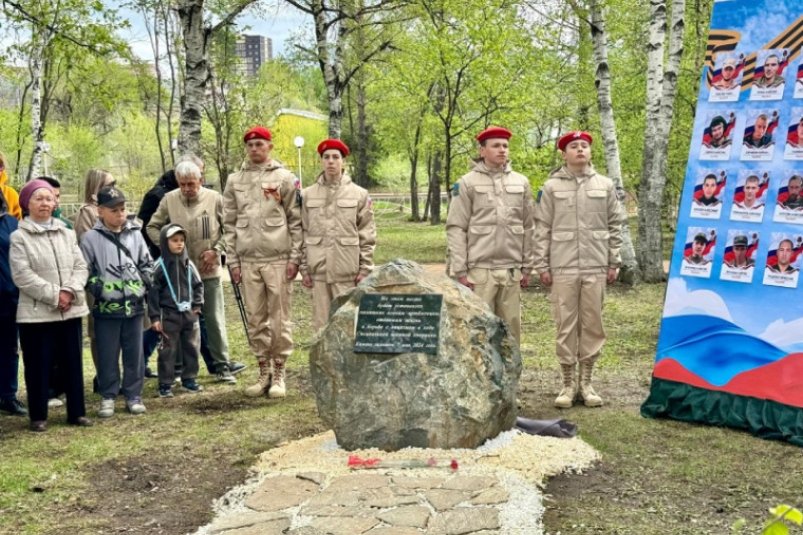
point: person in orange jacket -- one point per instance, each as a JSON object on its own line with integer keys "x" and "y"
{"x": 10, "y": 194}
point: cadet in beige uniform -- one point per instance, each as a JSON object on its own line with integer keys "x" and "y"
{"x": 578, "y": 236}
{"x": 262, "y": 225}
{"x": 489, "y": 229}
{"x": 339, "y": 232}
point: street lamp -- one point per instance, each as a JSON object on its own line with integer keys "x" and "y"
{"x": 299, "y": 142}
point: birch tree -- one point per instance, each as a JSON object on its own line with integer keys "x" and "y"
{"x": 75, "y": 24}
{"x": 197, "y": 33}
{"x": 610, "y": 140}
{"x": 334, "y": 22}
{"x": 662, "y": 79}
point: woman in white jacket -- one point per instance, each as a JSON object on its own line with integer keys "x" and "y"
{"x": 48, "y": 268}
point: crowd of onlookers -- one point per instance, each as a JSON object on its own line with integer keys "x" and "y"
{"x": 136, "y": 286}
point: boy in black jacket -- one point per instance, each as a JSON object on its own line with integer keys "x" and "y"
{"x": 174, "y": 304}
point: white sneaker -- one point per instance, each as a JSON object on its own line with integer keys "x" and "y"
{"x": 54, "y": 402}
{"x": 135, "y": 406}
{"x": 106, "y": 408}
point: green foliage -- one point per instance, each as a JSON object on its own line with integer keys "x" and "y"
{"x": 393, "y": 173}
{"x": 285, "y": 129}
{"x": 778, "y": 524}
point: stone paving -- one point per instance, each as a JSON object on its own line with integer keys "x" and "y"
{"x": 379, "y": 504}
{"x": 306, "y": 488}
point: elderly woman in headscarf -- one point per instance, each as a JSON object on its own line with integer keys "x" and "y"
{"x": 48, "y": 268}
{"x": 9, "y": 194}
{"x": 9, "y": 295}
{"x": 96, "y": 179}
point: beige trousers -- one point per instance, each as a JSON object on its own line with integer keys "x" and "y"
{"x": 577, "y": 308}
{"x": 500, "y": 289}
{"x": 322, "y": 296}
{"x": 267, "y": 294}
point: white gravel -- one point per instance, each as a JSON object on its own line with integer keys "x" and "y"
{"x": 520, "y": 461}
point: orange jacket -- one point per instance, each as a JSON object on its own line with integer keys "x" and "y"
{"x": 11, "y": 195}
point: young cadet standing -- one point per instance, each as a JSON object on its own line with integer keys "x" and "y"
{"x": 489, "y": 229}
{"x": 262, "y": 226}
{"x": 339, "y": 232}
{"x": 578, "y": 237}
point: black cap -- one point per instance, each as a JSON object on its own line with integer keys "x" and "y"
{"x": 740, "y": 240}
{"x": 110, "y": 197}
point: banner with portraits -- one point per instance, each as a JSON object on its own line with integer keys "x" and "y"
{"x": 730, "y": 349}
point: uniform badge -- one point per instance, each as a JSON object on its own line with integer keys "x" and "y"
{"x": 456, "y": 189}
{"x": 272, "y": 192}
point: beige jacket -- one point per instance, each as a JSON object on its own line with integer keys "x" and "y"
{"x": 339, "y": 231}
{"x": 490, "y": 223}
{"x": 44, "y": 262}
{"x": 261, "y": 215}
{"x": 579, "y": 223}
{"x": 85, "y": 219}
{"x": 201, "y": 217}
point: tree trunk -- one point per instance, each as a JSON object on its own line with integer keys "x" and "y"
{"x": 661, "y": 90}
{"x": 435, "y": 189}
{"x": 196, "y": 76}
{"x": 170, "y": 50}
{"x": 414, "y": 152}
{"x": 361, "y": 155}
{"x": 153, "y": 37}
{"x": 629, "y": 272}
{"x": 37, "y": 128}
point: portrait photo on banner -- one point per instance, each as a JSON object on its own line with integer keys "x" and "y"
{"x": 698, "y": 253}
{"x": 718, "y": 135}
{"x": 789, "y": 203}
{"x": 794, "y": 136}
{"x": 726, "y": 78}
{"x": 738, "y": 260}
{"x": 768, "y": 75}
{"x": 758, "y": 142}
{"x": 709, "y": 189}
{"x": 798, "y": 92}
{"x": 783, "y": 254}
{"x": 749, "y": 196}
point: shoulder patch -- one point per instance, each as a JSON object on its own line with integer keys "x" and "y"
{"x": 538, "y": 197}
{"x": 456, "y": 189}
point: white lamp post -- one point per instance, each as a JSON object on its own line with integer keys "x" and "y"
{"x": 299, "y": 142}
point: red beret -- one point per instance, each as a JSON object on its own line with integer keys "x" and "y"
{"x": 494, "y": 132}
{"x": 258, "y": 132}
{"x": 336, "y": 144}
{"x": 572, "y": 136}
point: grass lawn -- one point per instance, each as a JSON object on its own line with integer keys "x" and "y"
{"x": 159, "y": 472}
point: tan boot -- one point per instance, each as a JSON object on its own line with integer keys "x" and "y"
{"x": 590, "y": 398}
{"x": 277, "y": 389}
{"x": 263, "y": 382}
{"x": 566, "y": 397}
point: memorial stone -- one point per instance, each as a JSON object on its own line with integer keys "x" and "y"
{"x": 449, "y": 383}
